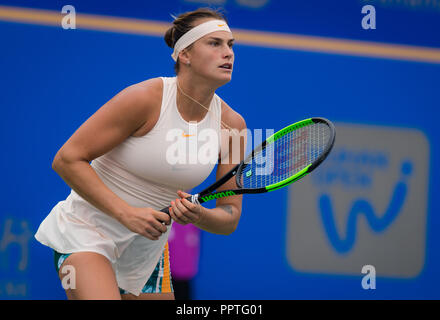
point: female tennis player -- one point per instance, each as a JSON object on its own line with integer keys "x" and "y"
{"x": 109, "y": 230}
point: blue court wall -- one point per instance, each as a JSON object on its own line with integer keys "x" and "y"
{"x": 54, "y": 79}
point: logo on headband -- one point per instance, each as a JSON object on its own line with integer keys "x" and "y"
{"x": 196, "y": 33}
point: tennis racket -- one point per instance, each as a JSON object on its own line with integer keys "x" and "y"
{"x": 285, "y": 157}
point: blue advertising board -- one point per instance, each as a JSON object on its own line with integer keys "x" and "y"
{"x": 371, "y": 204}
{"x": 414, "y": 22}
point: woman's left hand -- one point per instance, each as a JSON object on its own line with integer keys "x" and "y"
{"x": 183, "y": 211}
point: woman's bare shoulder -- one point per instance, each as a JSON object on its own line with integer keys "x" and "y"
{"x": 148, "y": 91}
{"x": 148, "y": 95}
{"x": 232, "y": 118}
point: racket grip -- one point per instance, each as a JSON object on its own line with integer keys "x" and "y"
{"x": 167, "y": 209}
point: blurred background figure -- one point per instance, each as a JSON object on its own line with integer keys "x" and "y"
{"x": 184, "y": 246}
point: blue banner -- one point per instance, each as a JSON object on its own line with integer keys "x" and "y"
{"x": 370, "y": 211}
{"x": 412, "y": 22}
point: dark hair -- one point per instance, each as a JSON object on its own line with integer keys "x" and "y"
{"x": 184, "y": 22}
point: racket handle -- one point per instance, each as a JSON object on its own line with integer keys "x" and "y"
{"x": 167, "y": 209}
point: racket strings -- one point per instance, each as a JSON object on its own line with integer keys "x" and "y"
{"x": 286, "y": 156}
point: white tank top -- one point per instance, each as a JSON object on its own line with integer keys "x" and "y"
{"x": 144, "y": 171}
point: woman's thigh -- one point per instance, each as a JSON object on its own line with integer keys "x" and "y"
{"x": 90, "y": 277}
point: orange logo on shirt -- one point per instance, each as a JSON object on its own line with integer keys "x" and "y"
{"x": 187, "y": 135}
{"x": 220, "y": 25}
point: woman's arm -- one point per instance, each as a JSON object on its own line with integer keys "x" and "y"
{"x": 114, "y": 122}
{"x": 224, "y": 218}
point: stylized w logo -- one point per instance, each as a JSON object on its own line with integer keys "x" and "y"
{"x": 362, "y": 206}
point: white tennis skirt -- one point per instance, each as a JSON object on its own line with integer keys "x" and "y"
{"x": 74, "y": 225}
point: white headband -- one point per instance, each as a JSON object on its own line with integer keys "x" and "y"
{"x": 196, "y": 33}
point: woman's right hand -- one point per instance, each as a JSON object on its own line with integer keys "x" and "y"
{"x": 147, "y": 222}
